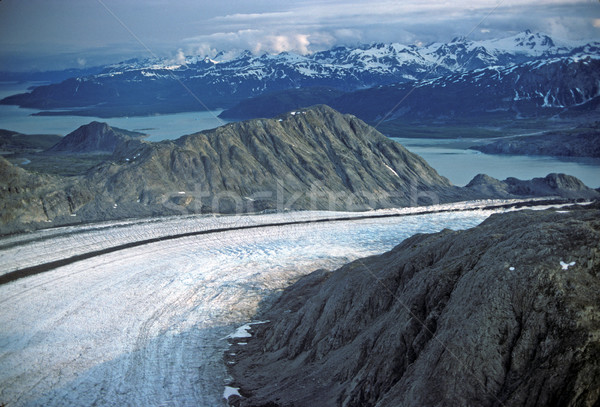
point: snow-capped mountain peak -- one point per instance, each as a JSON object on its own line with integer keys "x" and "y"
{"x": 225, "y": 78}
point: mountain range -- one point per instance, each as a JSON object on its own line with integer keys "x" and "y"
{"x": 159, "y": 86}
{"x": 314, "y": 158}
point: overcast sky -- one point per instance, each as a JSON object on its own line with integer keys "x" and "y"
{"x": 53, "y": 34}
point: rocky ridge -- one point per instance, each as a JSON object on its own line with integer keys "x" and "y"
{"x": 506, "y": 313}
{"x": 566, "y": 186}
{"x": 313, "y": 158}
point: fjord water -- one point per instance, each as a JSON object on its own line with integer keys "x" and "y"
{"x": 453, "y": 159}
{"x": 159, "y": 127}
{"x": 146, "y": 325}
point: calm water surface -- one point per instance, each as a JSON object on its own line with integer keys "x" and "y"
{"x": 159, "y": 127}
{"x": 455, "y": 161}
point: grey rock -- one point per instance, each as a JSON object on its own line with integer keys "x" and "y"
{"x": 31, "y": 201}
{"x": 487, "y": 317}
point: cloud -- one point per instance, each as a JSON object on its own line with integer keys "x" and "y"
{"x": 310, "y": 26}
{"x": 257, "y": 41}
{"x": 67, "y": 30}
{"x": 179, "y": 57}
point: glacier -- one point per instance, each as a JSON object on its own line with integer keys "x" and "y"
{"x": 147, "y": 325}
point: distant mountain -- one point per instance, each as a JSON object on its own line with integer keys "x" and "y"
{"x": 566, "y": 186}
{"x": 528, "y": 89}
{"x": 567, "y": 85}
{"x": 94, "y": 137}
{"x": 501, "y": 314}
{"x": 583, "y": 141}
{"x": 276, "y": 103}
{"x": 314, "y": 158}
{"x": 151, "y": 86}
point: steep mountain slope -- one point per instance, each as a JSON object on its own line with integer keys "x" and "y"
{"x": 32, "y": 200}
{"x": 143, "y": 87}
{"x": 313, "y": 158}
{"x": 502, "y": 314}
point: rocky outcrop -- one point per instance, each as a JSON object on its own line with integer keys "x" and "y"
{"x": 580, "y": 142}
{"x": 562, "y": 185}
{"x": 94, "y": 137}
{"x": 507, "y": 313}
{"x": 31, "y": 201}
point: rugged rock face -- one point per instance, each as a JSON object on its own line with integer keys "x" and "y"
{"x": 507, "y": 313}
{"x": 580, "y": 142}
{"x": 29, "y": 200}
{"x": 562, "y": 185}
{"x": 312, "y": 158}
{"x": 94, "y": 137}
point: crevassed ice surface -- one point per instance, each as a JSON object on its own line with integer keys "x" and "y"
{"x": 146, "y": 326}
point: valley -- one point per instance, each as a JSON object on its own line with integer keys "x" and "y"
{"x": 366, "y": 224}
{"x": 149, "y": 324}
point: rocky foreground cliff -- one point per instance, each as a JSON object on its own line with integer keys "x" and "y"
{"x": 504, "y": 314}
{"x": 314, "y": 158}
